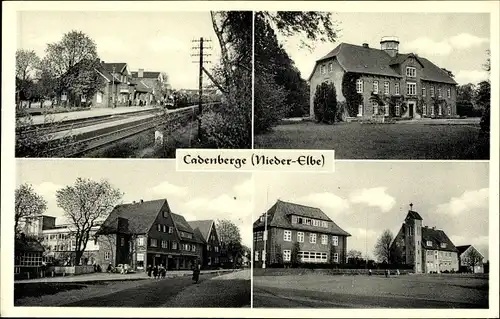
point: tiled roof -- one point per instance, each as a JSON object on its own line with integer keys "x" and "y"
{"x": 462, "y": 249}
{"x": 437, "y": 237}
{"x": 279, "y": 215}
{"x": 181, "y": 223}
{"x": 140, "y": 86}
{"x": 359, "y": 59}
{"x": 204, "y": 226}
{"x": 413, "y": 215}
{"x": 118, "y": 66}
{"x": 146, "y": 74}
{"x": 140, "y": 216}
{"x": 198, "y": 236}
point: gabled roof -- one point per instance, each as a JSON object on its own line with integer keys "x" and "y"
{"x": 119, "y": 67}
{"x": 141, "y": 86}
{"x": 359, "y": 59}
{"x": 181, "y": 223}
{"x": 204, "y": 226}
{"x": 146, "y": 74}
{"x": 413, "y": 215}
{"x": 279, "y": 215}
{"x": 140, "y": 216}
{"x": 437, "y": 237}
{"x": 462, "y": 249}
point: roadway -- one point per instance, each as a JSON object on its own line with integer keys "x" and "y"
{"x": 230, "y": 290}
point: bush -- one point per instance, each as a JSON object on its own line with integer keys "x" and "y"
{"x": 269, "y": 103}
{"x": 325, "y": 103}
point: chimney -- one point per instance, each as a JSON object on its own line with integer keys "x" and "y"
{"x": 365, "y": 45}
{"x": 142, "y": 201}
{"x": 390, "y": 45}
{"x": 434, "y": 228}
{"x": 133, "y": 202}
{"x": 140, "y": 74}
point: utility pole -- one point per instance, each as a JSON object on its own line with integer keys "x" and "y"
{"x": 113, "y": 93}
{"x": 264, "y": 254}
{"x": 201, "y": 61}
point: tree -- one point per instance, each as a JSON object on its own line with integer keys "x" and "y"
{"x": 72, "y": 61}
{"x": 28, "y": 204}
{"x": 27, "y": 64}
{"x": 383, "y": 246}
{"x": 229, "y": 237}
{"x": 294, "y": 258}
{"x": 278, "y": 255}
{"x": 473, "y": 258}
{"x": 465, "y": 99}
{"x": 325, "y": 103}
{"x": 354, "y": 254}
{"x": 84, "y": 204}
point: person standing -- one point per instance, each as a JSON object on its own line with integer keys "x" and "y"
{"x": 196, "y": 272}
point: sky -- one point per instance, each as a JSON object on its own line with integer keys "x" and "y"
{"x": 455, "y": 41}
{"x": 365, "y": 198}
{"x": 194, "y": 195}
{"x": 153, "y": 41}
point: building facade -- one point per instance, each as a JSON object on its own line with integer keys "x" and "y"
{"x": 296, "y": 229}
{"x": 426, "y": 248}
{"x": 148, "y": 233}
{"x": 471, "y": 260}
{"x": 207, "y": 232}
{"x": 387, "y": 83}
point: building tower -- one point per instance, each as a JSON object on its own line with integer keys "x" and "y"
{"x": 413, "y": 239}
{"x": 390, "y": 45}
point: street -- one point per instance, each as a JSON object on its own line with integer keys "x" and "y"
{"x": 230, "y": 290}
{"x": 369, "y": 292}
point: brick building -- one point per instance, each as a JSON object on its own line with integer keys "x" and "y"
{"x": 291, "y": 226}
{"x": 206, "y": 231}
{"x": 427, "y": 249}
{"x": 391, "y": 84}
{"x": 148, "y": 233}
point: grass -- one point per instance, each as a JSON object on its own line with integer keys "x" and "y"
{"x": 380, "y": 141}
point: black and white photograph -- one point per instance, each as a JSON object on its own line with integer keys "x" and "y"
{"x": 88, "y": 236}
{"x": 373, "y": 235}
{"x": 122, "y": 84}
{"x": 373, "y": 85}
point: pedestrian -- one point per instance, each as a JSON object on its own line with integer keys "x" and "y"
{"x": 397, "y": 272}
{"x": 109, "y": 268}
{"x": 163, "y": 272}
{"x": 196, "y": 272}
{"x": 155, "y": 272}
{"x": 369, "y": 272}
{"x": 149, "y": 269}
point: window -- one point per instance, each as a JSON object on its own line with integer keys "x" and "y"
{"x": 335, "y": 240}
{"x": 140, "y": 260}
{"x": 330, "y": 67}
{"x": 154, "y": 242}
{"x": 256, "y": 256}
{"x": 315, "y": 222}
{"x": 164, "y": 244}
{"x": 140, "y": 241}
{"x": 287, "y": 235}
{"x": 312, "y": 238}
{"x": 424, "y": 109}
{"x": 411, "y": 88}
{"x": 375, "y": 108}
{"x": 323, "y": 69}
{"x": 432, "y": 110}
{"x": 164, "y": 228}
{"x": 423, "y": 91}
{"x": 411, "y": 72}
{"x": 99, "y": 97}
{"x": 324, "y": 239}
{"x": 432, "y": 91}
{"x": 448, "y": 93}
{"x": 397, "y": 109}
{"x": 386, "y": 112}
{"x": 262, "y": 219}
{"x": 443, "y": 245}
{"x": 359, "y": 86}
{"x": 360, "y": 110}
{"x": 193, "y": 247}
{"x": 396, "y": 89}
{"x": 106, "y": 255}
{"x": 439, "y": 92}
{"x": 158, "y": 227}
{"x": 122, "y": 241}
{"x": 440, "y": 110}
{"x": 294, "y": 219}
{"x": 209, "y": 247}
{"x": 324, "y": 224}
{"x": 216, "y": 248}
{"x": 312, "y": 257}
{"x": 375, "y": 87}
{"x": 300, "y": 237}
{"x": 287, "y": 255}
{"x": 449, "y": 110}
{"x": 170, "y": 230}
{"x": 174, "y": 245}
{"x": 257, "y": 236}
{"x": 386, "y": 87}
{"x": 429, "y": 243}
{"x": 335, "y": 257}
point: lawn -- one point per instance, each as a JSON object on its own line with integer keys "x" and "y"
{"x": 377, "y": 291}
{"x": 380, "y": 141}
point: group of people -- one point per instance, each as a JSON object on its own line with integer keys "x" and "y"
{"x": 157, "y": 271}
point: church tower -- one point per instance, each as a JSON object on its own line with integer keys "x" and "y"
{"x": 390, "y": 45}
{"x": 413, "y": 239}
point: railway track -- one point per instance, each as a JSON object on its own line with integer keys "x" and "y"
{"x": 80, "y": 147}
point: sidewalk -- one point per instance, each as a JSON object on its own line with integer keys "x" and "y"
{"x": 109, "y": 277}
{"x": 96, "y": 112}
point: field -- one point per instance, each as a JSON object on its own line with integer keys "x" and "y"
{"x": 381, "y": 141}
{"x": 405, "y": 291}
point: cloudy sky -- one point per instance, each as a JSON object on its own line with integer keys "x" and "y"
{"x": 455, "y": 41}
{"x": 366, "y": 198}
{"x": 153, "y": 41}
{"x": 194, "y": 195}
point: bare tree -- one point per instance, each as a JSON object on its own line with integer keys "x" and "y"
{"x": 85, "y": 203}
{"x": 28, "y": 205}
{"x": 383, "y": 246}
{"x": 353, "y": 253}
{"x": 473, "y": 258}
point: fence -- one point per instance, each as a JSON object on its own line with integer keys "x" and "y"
{"x": 338, "y": 271}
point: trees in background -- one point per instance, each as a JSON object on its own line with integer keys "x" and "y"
{"x": 280, "y": 90}
{"x": 84, "y": 204}
{"x": 383, "y": 247}
{"x": 325, "y": 103}
{"x": 473, "y": 258}
{"x": 28, "y": 205}
{"x": 27, "y": 67}
{"x": 230, "y": 239}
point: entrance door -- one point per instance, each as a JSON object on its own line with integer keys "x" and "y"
{"x": 411, "y": 109}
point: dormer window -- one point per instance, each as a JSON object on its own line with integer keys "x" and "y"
{"x": 443, "y": 245}
{"x": 294, "y": 219}
{"x": 429, "y": 243}
{"x": 262, "y": 219}
{"x": 411, "y": 72}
